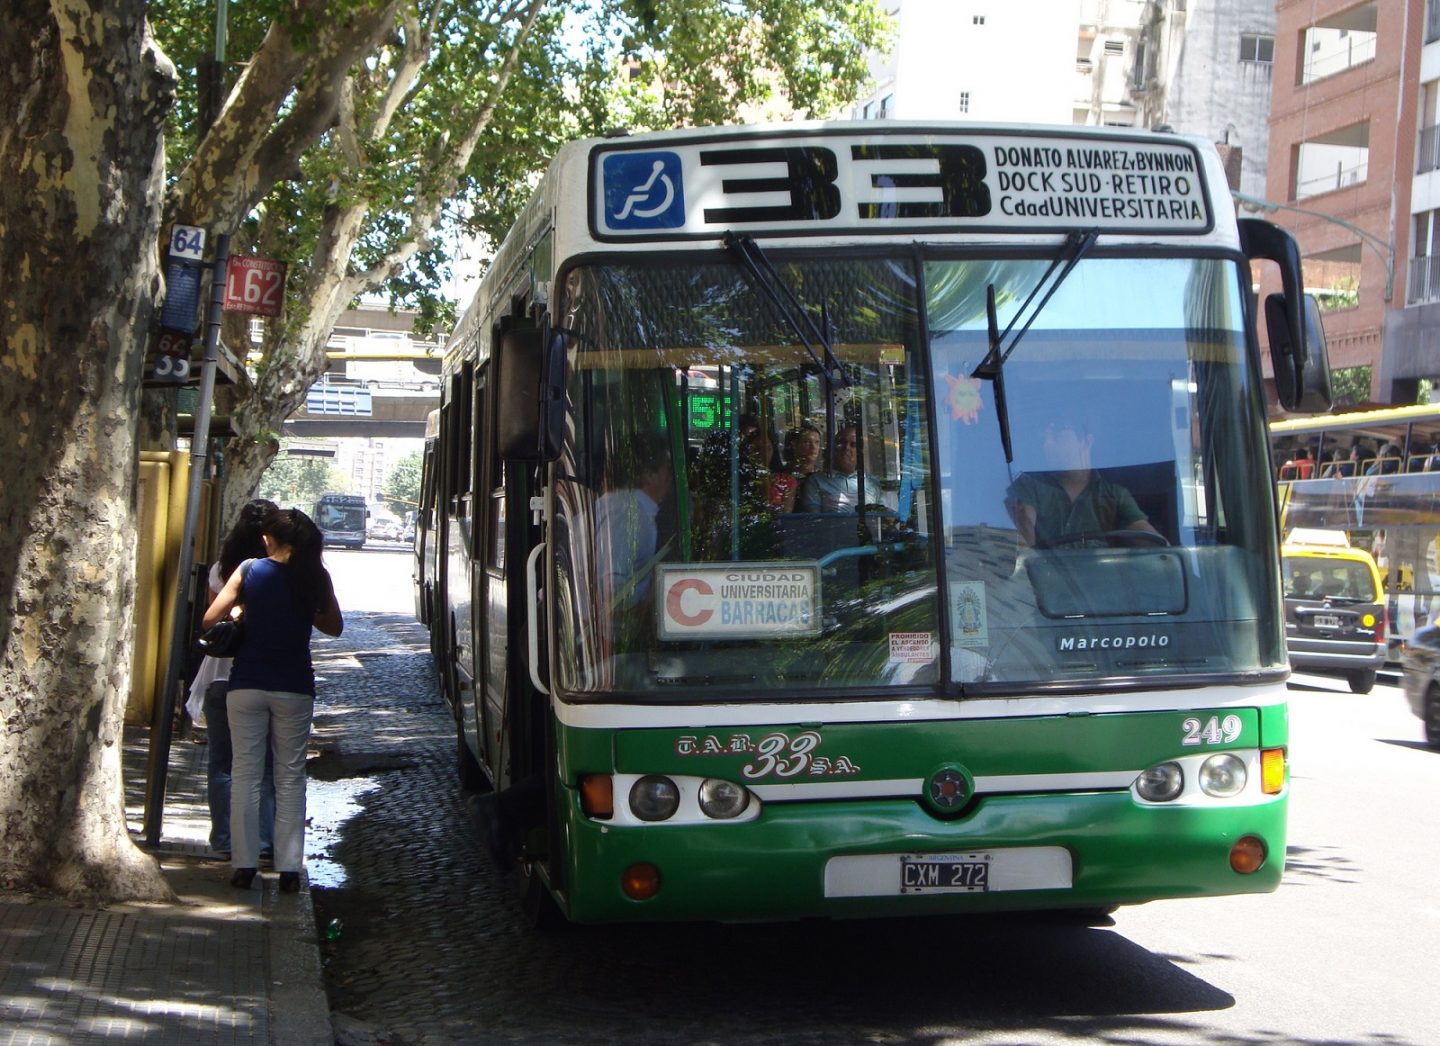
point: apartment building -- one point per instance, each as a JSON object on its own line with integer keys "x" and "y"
{"x": 1348, "y": 117}
{"x": 368, "y": 462}
{"x": 1205, "y": 67}
{"x": 1412, "y": 335}
{"x": 1197, "y": 66}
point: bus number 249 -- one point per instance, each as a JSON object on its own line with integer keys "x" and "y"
{"x": 1213, "y": 731}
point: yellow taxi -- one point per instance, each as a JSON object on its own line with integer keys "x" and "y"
{"x": 1334, "y": 607}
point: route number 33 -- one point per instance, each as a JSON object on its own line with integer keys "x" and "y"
{"x": 1213, "y": 731}
{"x": 172, "y": 357}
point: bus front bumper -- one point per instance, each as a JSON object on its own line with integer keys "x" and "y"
{"x": 891, "y": 857}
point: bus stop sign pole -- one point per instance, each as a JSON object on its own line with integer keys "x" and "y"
{"x": 162, "y": 725}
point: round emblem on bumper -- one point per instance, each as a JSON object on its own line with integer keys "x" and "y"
{"x": 949, "y": 789}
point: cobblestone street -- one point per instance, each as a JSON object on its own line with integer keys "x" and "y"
{"x": 432, "y": 948}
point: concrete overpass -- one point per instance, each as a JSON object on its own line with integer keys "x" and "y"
{"x": 394, "y": 414}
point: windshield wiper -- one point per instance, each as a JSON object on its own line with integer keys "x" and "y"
{"x": 992, "y": 367}
{"x": 795, "y": 315}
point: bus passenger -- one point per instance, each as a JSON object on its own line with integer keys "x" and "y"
{"x": 802, "y": 450}
{"x": 837, "y": 490}
{"x": 1071, "y": 504}
{"x": 780, "y": 486}
{"x": 1386, "y": 463}
{"x": 1298, "y": 465}
{"x": 212, "y": 685}
{"x": 625, "y": 529}
{"x": 272, "y": 686}
{"x": 1335, "y": 467}
{"x": 1304, "y": 467}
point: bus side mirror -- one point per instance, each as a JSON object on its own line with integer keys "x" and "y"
{"x": 1292, "y": 322}
{"x": 517, "y": 420}
{"x": 1307, "y": 372}
{"x": 531, "y": 393}
{"x": 552, "y": 393}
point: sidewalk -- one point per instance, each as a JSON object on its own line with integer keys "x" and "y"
{"x": 220, "y": 965}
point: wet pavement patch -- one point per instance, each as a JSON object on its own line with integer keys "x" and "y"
{"x": 331, "y": 765}
{"x": 329, "y": 804}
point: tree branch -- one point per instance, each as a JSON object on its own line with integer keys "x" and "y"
{"x": 247, "y": 151}
{"x": 428, "y": 205}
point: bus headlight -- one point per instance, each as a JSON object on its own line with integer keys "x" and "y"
{"x": 1161, "y": 783}
{"x": 723, "y": 800}
{"x": 1222, "y": 775}
{"x": 654, "y": 798}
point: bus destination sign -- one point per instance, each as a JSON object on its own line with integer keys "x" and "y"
{"x": 881, "y": 182}
{"x": 756, "y": 600}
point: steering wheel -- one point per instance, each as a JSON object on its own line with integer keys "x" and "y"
{"x": 1123, "y": 538}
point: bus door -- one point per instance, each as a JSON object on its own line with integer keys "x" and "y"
{"x": 492, "y": 563}
{"x": 459, "y": 506}
{"x": 423, "y": 550}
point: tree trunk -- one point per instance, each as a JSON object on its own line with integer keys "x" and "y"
{"x": 83, "y": 96}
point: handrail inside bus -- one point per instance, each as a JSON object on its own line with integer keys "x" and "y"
{"x": 532, "y": 618}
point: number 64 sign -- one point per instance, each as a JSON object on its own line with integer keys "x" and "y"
{"x": 255, "y": 285}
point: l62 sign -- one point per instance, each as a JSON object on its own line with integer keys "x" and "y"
{"x": 255, "y": 285}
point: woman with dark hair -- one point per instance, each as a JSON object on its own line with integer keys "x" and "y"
{"x": 212, "y": 684}
{"x": 272, "y": 685}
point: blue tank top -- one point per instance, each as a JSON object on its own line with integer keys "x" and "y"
{"x": 276, "y": 652}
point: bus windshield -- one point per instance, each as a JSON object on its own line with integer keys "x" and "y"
{"x": 341, "y": 514}
{"x": 730, "y": 514}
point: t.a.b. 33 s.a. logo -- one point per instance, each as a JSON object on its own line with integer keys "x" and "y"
{"x": 643, "y": 190}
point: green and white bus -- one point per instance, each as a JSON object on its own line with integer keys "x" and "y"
{"x": 708, "y": 677}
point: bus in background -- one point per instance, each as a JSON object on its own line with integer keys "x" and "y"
{"x": 1377, "y": 478}
{"x": 757, "y": 596}
{"x": 425, "y": 565}
{"x": 342, "y": 518}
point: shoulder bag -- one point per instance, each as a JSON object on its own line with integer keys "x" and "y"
{"x": 223, "y": 639}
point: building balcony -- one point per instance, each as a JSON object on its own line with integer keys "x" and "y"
{"x": 1424, "y": 283}
{"x": 1341, "y": 177}
{"x": 1427, "y": 152}
{"x": 1351, "y": 54}
{"x": 1338, "y": 43}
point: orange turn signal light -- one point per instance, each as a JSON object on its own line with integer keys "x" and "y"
{"x": 641, "y": 881}
{"x": 597, "y": 796}
{"x": 1247, "y": 855}
{"x": 1272, "y": 770}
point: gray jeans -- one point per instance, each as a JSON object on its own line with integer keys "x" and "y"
{"x": 217, "y": 786}
{"x": 282, "y": 721}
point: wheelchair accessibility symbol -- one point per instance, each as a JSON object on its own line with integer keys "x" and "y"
{"x": 643, "y": 191}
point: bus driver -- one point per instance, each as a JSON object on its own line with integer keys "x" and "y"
{"x": 1072, "y": 504}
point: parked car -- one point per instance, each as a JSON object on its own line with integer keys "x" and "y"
{"x": 1334, "y": 608}
{"x": 384, "y": 530}
{"x": 1420, "y": 658}
{"x": 408, "y": 534}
